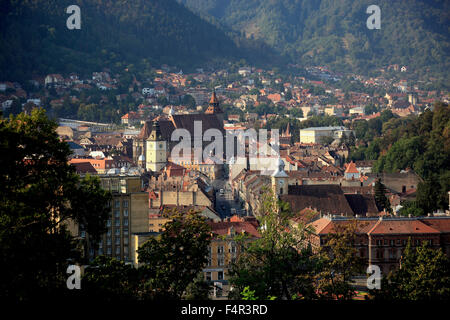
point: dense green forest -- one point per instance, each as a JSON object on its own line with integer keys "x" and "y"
{"x": 114, "y": 34}
{"x": 413, "y": 33}
{"x": 420, "y": 143}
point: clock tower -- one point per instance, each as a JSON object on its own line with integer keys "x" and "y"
{"x": 156, "y": 157}
{"x": 280, "y": 180}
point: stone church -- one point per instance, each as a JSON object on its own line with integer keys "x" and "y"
{"x": 153, "y": 145}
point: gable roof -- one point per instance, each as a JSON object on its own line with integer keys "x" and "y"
{"x": 323, "y": 198}
{"x": 362, "y": 204}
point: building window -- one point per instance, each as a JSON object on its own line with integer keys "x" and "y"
{"x": 125, "y": 212}
{"x": 125, "y": 203}
{"x": 125, "y": 241}
{"x": 117, "y": 232}
{"x": 220, "y": 249}
{"x": 125, "y": 222}
{"x": 108, "y": 242}
{"x": 117, "y": 213}
{"x": 117, "y": 222}
{"x": 392, "y": 243}
{"x": 117, "y": 203}
{"x": 220, "y": 275}
{"x": 125, "y": 232}
{"x": 220, "y": 261}
{"x": 108, "y": 223}
{"x": 208, "y": 276}
{"x": 118, "y": 250}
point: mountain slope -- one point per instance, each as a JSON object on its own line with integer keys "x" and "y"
{"x": 413, "y": 33}
{"x": 114, "y": 33}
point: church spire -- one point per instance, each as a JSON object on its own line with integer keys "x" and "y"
{"x": 213, "y": 107}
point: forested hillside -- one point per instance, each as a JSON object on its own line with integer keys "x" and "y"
{"x": 114, "y": 34}
{"x": 333, "y": 32}
{"x": 420, "y": 143}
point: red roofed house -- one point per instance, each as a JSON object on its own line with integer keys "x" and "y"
{"x": 381, "y": 241}
{"x": 224, "y": 250}
{"x": 351, "y": 172}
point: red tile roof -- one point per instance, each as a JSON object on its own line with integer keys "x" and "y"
{"x": 401, "y": 227}
{"x": 351, "y": 168}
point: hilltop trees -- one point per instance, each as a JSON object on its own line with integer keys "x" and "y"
{"x": 424, "y": 275}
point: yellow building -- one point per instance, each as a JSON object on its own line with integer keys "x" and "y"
{"x": 129, "y": 213}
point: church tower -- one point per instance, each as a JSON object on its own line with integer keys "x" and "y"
{"x": 214, "y": 108}
{"x": 156, "y": 157}
{"x": 280, "y": 180}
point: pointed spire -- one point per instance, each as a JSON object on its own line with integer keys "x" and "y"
{"x": 213, "y": 105}
{"x": 287, "y": 133}
{"x": 213, "y": 99}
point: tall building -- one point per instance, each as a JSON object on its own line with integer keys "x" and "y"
{"x": 156, "y": 149}
{"x": 280, "y": 180}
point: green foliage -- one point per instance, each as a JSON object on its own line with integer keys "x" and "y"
{"x": 40, "y": 193}
{"x": 411, "y": 208}
{"x": 380, "y": 197}
{"x": 109, "y": 279}
{"x": 248, "y": 294}
{"x": 279, "y": 263}
{"x": 423, "y": 144}
{"x": 172, "y": 260}
{"x": 339, "y": 262}
{"x": 424, "y": 275}
{"x": 114, "y": 34}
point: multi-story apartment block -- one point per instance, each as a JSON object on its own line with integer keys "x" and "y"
{"x": 224, "y": 249}
{"x": 381, "y": 241}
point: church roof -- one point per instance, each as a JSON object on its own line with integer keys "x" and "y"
{"x": 146, "y": 130}
{"x": 187, "y": 121}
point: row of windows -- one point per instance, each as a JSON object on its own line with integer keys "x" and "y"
{"x": 117, "y": 222}
{"x": 402, "y": 242}
{"x": 220, "y": 249}
{"x": 209, "y": 276}
{"x": 116, "y": 251}
{"x": 116, "y": 241}
{"x": 117, "y": 232}
{"x": 117, "y": 203}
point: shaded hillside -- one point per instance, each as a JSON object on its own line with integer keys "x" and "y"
{"x": 114, "y": 33}
{"x": 413, "y": 33}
